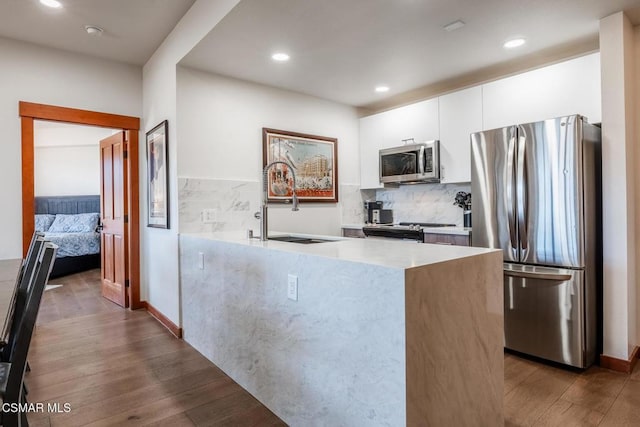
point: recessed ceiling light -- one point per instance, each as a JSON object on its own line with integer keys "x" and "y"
{"x": 280, "y": 57}
{"x": 382, "y": 88}
{"x": 51, "y": 3}
{"x": 454, "y": 25}
{"x": 513, "y": 43}
{"x": 93, "y": 30}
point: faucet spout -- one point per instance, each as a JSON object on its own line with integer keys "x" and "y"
{"x": 264, "y": 234}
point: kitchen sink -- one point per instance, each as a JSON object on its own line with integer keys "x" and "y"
{"x": 298, "y": 239}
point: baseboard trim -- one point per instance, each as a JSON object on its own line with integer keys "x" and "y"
{"x": 620, "y": 365}
{"x": 164, "y": 320}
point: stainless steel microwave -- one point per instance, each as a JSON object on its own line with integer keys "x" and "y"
{"x": 413, "y": 163}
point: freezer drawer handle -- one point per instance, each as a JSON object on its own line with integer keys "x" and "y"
{"x": 541, "y": 276}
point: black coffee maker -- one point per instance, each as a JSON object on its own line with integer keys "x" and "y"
{"x": 369, "y": 207}
{"x": 374, "y": 214}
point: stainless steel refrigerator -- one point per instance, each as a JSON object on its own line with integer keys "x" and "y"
{"x": 535, "y": 195}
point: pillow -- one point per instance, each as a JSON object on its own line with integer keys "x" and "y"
{"x": 79, "y": 223}
{"x": 44, "y": 221}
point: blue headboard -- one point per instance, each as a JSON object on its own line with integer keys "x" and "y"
{"x": 67, "y": 204}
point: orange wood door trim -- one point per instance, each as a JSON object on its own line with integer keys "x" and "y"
{"x": 32, "y": 111}
{"x": 73, "y": 115}
{"x": 28, "y": 185}
{"x": 134, "y": 219}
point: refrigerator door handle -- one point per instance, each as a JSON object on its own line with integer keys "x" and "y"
{"x": 537, "y": 275}
{"x": 510, "y": 192}
{"x": 521, "y": 189}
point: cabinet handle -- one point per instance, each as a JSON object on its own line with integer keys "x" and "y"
{"x": 443, "y": 243}
{"x": 441, "y": 171}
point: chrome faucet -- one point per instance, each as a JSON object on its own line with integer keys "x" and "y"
{"x": 262, "y": 215}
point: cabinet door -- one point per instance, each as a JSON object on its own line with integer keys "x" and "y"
{"x": 460, "y": 116}
{"x": 353, "y": 232}
{"x": 563, "y": 89}
{"x": 419, "y": 121}
{"x": 370, "y": 142}
{"x": 447, "y": 239}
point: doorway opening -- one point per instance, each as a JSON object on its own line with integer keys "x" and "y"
{"x": 123, "y": 161}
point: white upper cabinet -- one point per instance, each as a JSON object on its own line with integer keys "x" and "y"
{"x": 388, "y": 129}
{"x": 370, "y": 128}
{"x": 566, "y": 88}
{"x": 460, "y": 116}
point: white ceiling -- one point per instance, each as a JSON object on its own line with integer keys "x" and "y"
{"x": 342, "y": 49}
{"x": 133, "y": 29}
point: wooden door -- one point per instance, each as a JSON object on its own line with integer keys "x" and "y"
{"x": 114, "y": 217}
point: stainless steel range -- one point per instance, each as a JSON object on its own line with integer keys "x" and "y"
{"x": 404, "y": 230}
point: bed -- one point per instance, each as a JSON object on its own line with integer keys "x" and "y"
{"x": 71, "y": 223}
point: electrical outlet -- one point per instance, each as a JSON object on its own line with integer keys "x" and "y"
{"x": 201, "y": 260}
{"x": 292, "y": 287}
{"x": 209, "y": 216}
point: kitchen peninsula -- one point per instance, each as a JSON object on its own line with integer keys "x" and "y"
{"x": 350, "y": 332}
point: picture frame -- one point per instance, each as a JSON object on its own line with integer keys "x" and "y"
{"x": 314, "y": 160}
{"x": 157, "y": 176}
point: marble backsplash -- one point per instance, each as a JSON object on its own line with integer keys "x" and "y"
{"x": 423, "y": 202}
{"x": 352, "y": 200}
{"x": 235, "y": 203}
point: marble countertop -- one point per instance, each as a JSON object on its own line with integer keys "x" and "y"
{"x": 382, "y": 252}
{"x": 462, "y": 231}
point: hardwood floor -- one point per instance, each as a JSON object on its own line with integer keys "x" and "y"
{"x": 116, "y": 367}
{"x": 541, "y": 395}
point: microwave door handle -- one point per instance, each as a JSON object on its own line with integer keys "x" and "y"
{"x": 421, "y": 160}
{"x": 510, "y": 193}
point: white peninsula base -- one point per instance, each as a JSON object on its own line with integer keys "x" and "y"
{"x": 382, "y": 332}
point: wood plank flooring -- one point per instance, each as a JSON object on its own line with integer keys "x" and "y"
{"x": 116, "y": 367}
{"x": 541, "y": 395}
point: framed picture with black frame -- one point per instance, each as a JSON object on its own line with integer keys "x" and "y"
{"x": 157, "y": 176}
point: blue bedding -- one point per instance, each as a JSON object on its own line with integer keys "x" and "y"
{"x": 75, "y": 244}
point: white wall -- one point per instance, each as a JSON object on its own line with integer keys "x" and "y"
{"x": 67, "y": 171}
{"x": 67, "y": 158}
{"x": 618, "y": 186}
{"x": 159, "y": 248}
{"x": 220, "y": 123}
{"x": 43, "y": 75}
